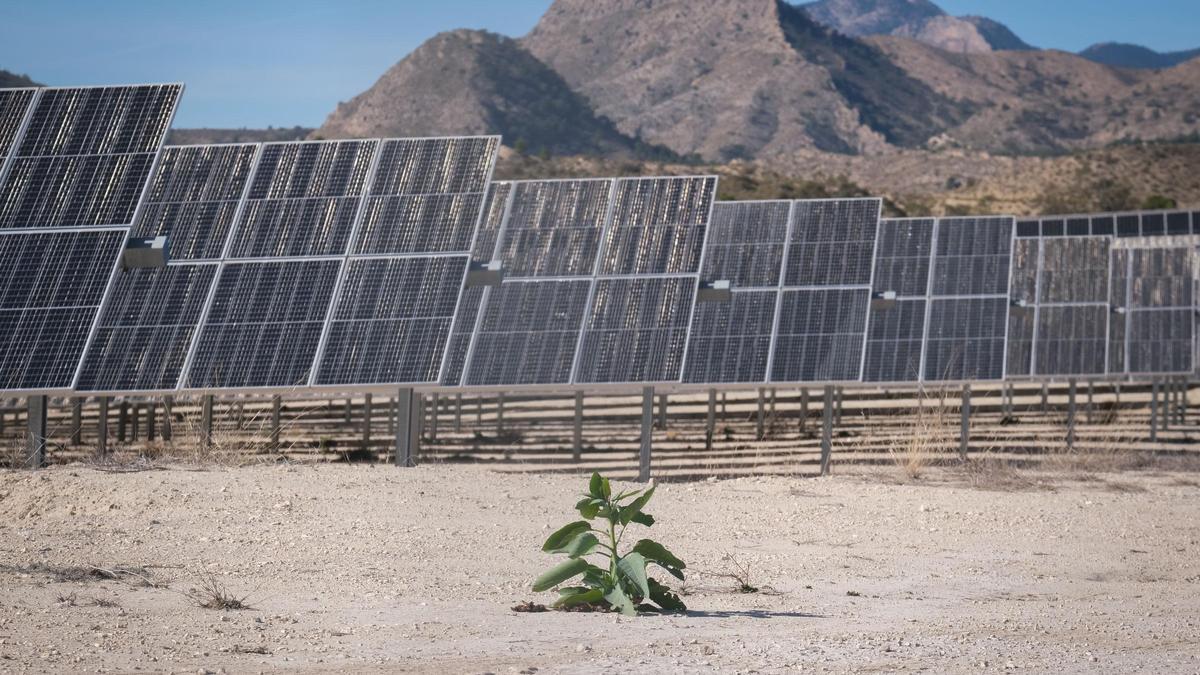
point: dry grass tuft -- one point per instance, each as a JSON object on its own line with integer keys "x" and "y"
{"x": 212, "y": 594}
{"x": 927, "y": 435}
{"x": 986, "y": 472}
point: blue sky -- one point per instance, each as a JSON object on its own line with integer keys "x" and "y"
{"x": 254, "y": 63}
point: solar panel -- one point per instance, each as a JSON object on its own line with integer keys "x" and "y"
{"x": 1022, "y": 314}
{"x": 264, "y": 324}
{"x": 1118, "y": 325}
{"x": 554, "y": 228}
{"x": 636, "y": 330}
{"x": 14, "y": 108}
{"x": 1161, "y": 310}
{"x": 658, "y": 225}
{"x": 967, "y": 315}
{"x": 393, "y": 321}
{"x": 194, "y": 196}
{"x": 427, "y": 195}
{"x": 731, "y": 341}
{"x": 51, "y": 289}
{"x": 304, "y": 199}
{"x": 496, "y": 205}
{"x": 146, "y": 328}
{"x": 746, "y": 241}
{"x": 1072, "y": 309}
{"x": 897, "y": 325}
{"x": 832, "y": 242}
{"x": 85, "y": 156}
{"x": 821, "y": 335}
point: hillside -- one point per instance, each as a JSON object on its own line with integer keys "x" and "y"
{"x": 1124, "y": 55}
{"x": 10, "y": 80}
{"x": 216, "y": 136}
{"x": 920, "y": 20}
{"x": 474, "y": 82}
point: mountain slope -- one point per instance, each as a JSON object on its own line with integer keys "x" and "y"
{"x": 13, "y": 80}
{"x": 474, "y": 82}
{"x": 917, "y": 19}
{"x": 1124, "y": 55}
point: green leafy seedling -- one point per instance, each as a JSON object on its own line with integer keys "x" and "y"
{"x": 621, "y": 583}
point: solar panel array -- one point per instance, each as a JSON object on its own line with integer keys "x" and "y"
{"x": 344, "y": 264}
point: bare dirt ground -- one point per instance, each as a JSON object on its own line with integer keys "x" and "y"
{"x": 380, "y": 569}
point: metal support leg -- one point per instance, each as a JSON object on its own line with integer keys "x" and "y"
{"x": 1045, "y": 398}
{"x": 827, "y": 431}
{"x": 478, "y": 411}
{"x": 841, "y": 393}
{"x": 647, "y": 434}
{"x": 577, "y": 437}
{"x": 102, "y": 428}
{"x": 662, "y": 412}
{"x": 276, "y": 415}
{"x": 206, "y": 422}
{"x": 1154, "y": 411}
{"x": 771, "y": 410}
{"x": 1091, "y": 396}
{"x": 366, "y": 427}
{"x": 76, "y": 421}
{"x": 122, "y": 421}
{"x": 964, "y": 441}
{"x": 434, "y": 405}
{"x": 408, "y": 428}
{"x": 458, "y": 413}
{"x": 1164, "y": 417}
{"x": 724, "y": 402}
{"x": 151, "y": 421}
{"x": 168, "y": 420}
{"x": 349, "y": 409}
{"x": 500, "y": 414}
{"x": 134, "y": 421}
{"x": 759, "y": 430}
{"x": 35, "y": 457}
{"x": 803, "y": 409}
{"x": 1071, "y": 415}
{"x": 710, "y": 422}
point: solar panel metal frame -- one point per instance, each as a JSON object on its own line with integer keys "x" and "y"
{"x": 11, "y": 154}
{"x": 784, "y": 288}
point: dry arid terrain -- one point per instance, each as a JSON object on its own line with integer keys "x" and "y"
{"x": 373, "y": 568}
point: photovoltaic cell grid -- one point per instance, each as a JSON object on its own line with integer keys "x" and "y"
{"x": 194, "y": 197}
{"x": 828, "y": 269}
{"x": 1161, "y": 311}
{"x": 304, "y": 199}
{"x": 495, "y": 206}
{"x": 548, "y": 243}
{"x": 641, "y": 303}
{"x": 51, "y": 288}
{"x": 85, "y": 156}
{"x": 1128, "y": 224}
{"x": 967, "y": 314}
{"x": 146, "y": 328}
{"x": 1071, "y": 332}
{"x": 731, "y": 342}
{"x": 14, "y": 105}
{"x": 423, "y": 210}
{"x": 896, "y": 332}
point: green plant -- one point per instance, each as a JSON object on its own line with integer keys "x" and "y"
{"x": 622, "y": 584}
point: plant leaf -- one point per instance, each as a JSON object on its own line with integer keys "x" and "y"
{"x": 584, "y": 544}
{"x": 642, "y": 519}
{"x": 560, "y": 573}
{"x": 556, "y": 542}
{"x": 663, "y": 597}
{"x": 656, "y": 553}
{"x": 598, "y": 486}
{"x": 588, "y": 507}
{"x": 619, "y": 601}
{"x": 633, "y": 568}
{"x": 580, "y": 596}
{"x": 628, "y": 512}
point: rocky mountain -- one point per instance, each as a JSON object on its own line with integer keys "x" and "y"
{"x": 474, "y": 82}
{"x": 204, "y": 136}
{"x": 761, "y": 80}
{"x": 1125, "y": 55}
{"x": 917, "y": 19}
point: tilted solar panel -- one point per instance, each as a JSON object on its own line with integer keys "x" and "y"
{"x": 85, "y": 156}
{"x": 746, "y": 242}
{"x": 14, "y": 108}
{"x": 51, "y": 287}
{"x": 897, "y": 326}
{"x": 657, "y": 226}
{"x": 1022, "y": 314}
{"x": 833, "y": 242}
{"x": 1161, "y": 310}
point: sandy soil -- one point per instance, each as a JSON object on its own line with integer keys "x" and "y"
{"x": 374, "y": 568}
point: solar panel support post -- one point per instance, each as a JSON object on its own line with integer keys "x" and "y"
{"x": 76, "y": 421}
{"x": 827, "y": 431}
{"x": 206, "y": 422}
{"x": 841, "y": 394}
{"x": 391, "y": 417}
{"x": 122, "y": 420}
{"x": 434, "y": 402}
{"x": 500, "y": 414}
{"x": 102, "y": 428}
{"x": 349, "y": 408}
{"x": 1164, "y": 417}
{"x": 577, "y": 436}
{"x": 647, "y": 435}
{"x": 1045, "y": 398}
{"x": 408, "y": 428}
{"x": 134, "y": 421}
{"x": 803, "y": 409}
{"x": 1071, "y": 391}
{"x": 458, "y": 413}
{"x": 478, "y": 411}
{"x": 759, "y": 429}
{"x": 168, "y": 411}
{"x": 366, "y": 427}
{"x": 1153, "y": 411}
{"x": 1091, "y": 395}
{"x": 36, "y": 453}
{"x": 710, "y": 422}
{"x": 276, "y": 415}
{"x": 771, "y": 409}
{"x": 662, "y": 412}
{"x": 964, "y": 441}
{"x": 724, "y": 402}
{"x": 151, "y": 421}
